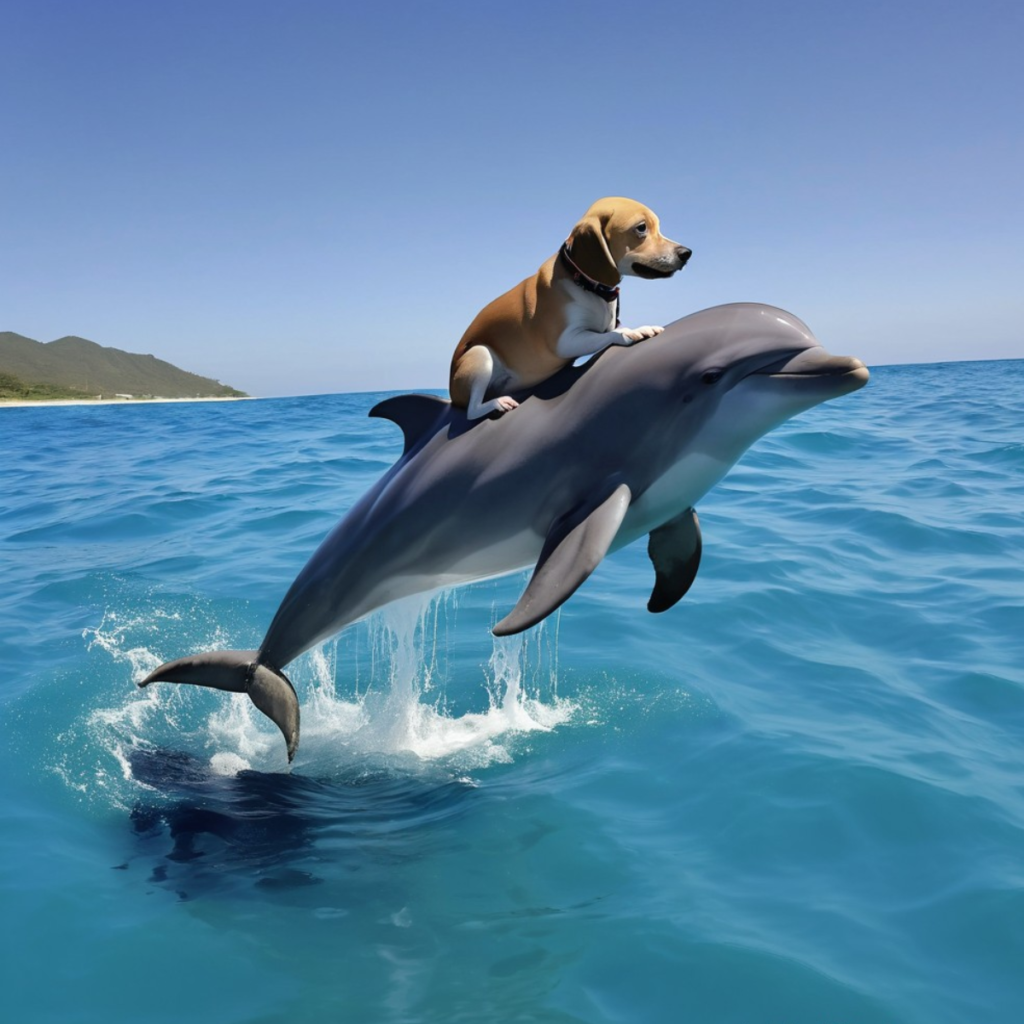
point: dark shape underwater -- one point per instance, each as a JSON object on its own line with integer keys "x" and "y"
{"x": 273, "y": 834}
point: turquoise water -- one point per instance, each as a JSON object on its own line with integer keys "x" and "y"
{"x": 797, "y": 798}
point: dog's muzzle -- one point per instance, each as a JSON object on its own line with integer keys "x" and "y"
{"x": 663, "y": 266}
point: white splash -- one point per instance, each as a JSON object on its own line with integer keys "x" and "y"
{"x": 399, "y": 708}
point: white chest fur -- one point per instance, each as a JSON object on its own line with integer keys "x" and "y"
{"x": 585, "y": 311}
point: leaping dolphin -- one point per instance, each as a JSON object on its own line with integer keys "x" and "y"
{"x": 593, "y": 459}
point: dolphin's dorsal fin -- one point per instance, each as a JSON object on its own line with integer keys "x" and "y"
{"x": 675, "y": 551}
{"x": 572, "y": 551}
{"x": 415, "y": 414}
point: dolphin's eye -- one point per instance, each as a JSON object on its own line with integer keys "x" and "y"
{"x": 641, "y": 229}
{"x": 712, "y": 376}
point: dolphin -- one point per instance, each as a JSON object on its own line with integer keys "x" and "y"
{"x": 594, "y": 458}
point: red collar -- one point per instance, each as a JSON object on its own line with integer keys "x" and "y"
{"x": 607, "y": 292}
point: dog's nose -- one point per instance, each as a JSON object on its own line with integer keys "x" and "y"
{"x": 684, "y": 254}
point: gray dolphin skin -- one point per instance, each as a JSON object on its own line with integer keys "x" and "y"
{"x": 593, "y": 459}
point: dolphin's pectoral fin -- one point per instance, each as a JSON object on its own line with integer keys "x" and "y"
{"x": 417, "y": 415}
{"x": 239, "y": 672}
{"x": 572, "y": 551}
{"x": 675, "y": 551}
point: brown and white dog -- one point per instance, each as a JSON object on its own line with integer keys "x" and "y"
{"x": 566, "y": 310}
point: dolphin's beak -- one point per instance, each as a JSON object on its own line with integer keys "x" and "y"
{"x": 816, "y": 362}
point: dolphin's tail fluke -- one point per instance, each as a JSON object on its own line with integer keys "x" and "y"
{"x": 240, "y": 672}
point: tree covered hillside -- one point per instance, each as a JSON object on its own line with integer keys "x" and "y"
{"x": 90, "y": 370}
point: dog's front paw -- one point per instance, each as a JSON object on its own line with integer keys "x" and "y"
{"x": 634, "y": 334}
{"x": 506, "y": 404}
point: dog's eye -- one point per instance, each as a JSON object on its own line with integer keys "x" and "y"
{"x": 641, "y": 229}
{"x": 712, "y": 376}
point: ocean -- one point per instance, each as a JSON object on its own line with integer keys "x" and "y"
{"x": 796, "y": 798}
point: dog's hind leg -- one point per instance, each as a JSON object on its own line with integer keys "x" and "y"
{"x": 476, "y": 370}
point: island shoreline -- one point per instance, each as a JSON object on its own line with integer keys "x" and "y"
{"x": 24, "y": 403}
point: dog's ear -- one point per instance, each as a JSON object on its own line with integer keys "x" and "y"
{"x": 589, "y": 250}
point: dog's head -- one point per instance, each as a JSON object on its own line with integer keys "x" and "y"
{"x": 619, "y": 238}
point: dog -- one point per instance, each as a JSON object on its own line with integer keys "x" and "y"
{"x": 568, "y": 309}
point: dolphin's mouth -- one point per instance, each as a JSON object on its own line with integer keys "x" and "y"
{"x": 816, "y": 362}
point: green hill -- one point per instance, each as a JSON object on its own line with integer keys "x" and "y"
{"x": 13, "y": 388}
{"x": 87, "y": 369}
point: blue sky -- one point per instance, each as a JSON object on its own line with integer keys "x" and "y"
{"x": 312, "y": 197}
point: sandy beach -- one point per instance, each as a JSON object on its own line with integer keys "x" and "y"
{"x": 18, "y": 403}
